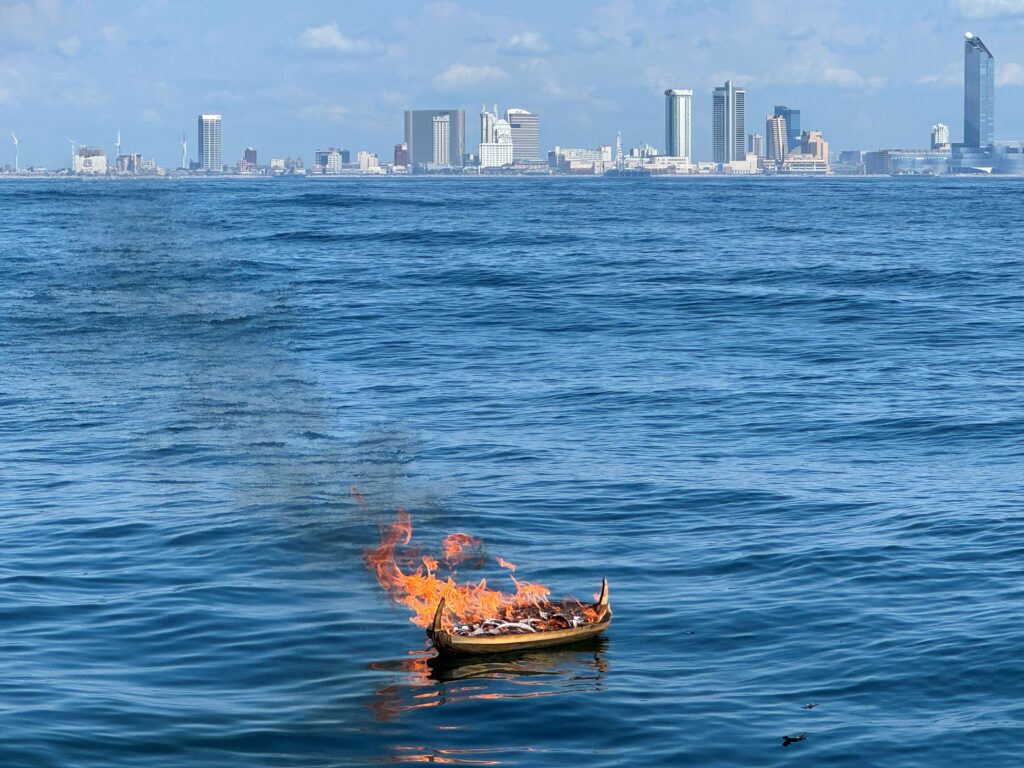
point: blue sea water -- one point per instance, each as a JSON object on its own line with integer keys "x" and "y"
{"x": 783, "y": 418}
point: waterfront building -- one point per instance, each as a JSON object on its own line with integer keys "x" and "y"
{"x": 775, "y": 133}
{"x": 525, "y": 127}
{"x": 914, "y": 162}
{"x": 940, "y": 136}
{"x": 678, "y": 106}
{"x": 329, "y": 160}
{"x": 497, "y": 148}
{"x": 89, "y": 160}
{"x": 643, "y": 151}
{"x": 129, "y": 163}
{"x": 748, "y": 166}
{"x": 729, "y": 133}
{"x": 792, "y": 118}
{"x": 755, "y": 144}
{"x": 799, "y": 163}
{"x": 813, "y": 143}
{"x": 367, "y": 161}
{"x": 401, "y": 154}
{"x": 210, "y": 143}
{"x": 999, "y": 157}
{"x": 579, "y": 160}
{"x": 979, "y": 93}
{"x": 420, "y": 135}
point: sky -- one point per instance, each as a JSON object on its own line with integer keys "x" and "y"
{"x": 289, "y": 77}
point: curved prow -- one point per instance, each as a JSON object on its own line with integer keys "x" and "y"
{"x": 438, "y": 614}
{"x": 601, "y": 606}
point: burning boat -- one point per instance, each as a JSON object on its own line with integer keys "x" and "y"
{"x": 472, "y": 618}
{"x": 560, "y": 626}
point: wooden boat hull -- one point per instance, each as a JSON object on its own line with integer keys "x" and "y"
{"x": 449, "y": 643}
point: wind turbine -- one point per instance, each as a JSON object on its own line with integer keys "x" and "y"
{"x": 184, "y": 152}
{"x": 16, "y": 142}
{"x": 118, "y": 143}
{"x": 72, "y": 142}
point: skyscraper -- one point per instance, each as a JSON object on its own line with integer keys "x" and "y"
{"x": 677, "y": 123}
{"x": 775, "y": 138}
{"x": 442, "y": 140}
{"x": 525, "y": 127}
{"x": 792, "y": 118}
{"x": 728, "y": 129}
{"x": 209, "y": 143}
{"x": 419, "y": 135}
{"x": 979, "y": 93}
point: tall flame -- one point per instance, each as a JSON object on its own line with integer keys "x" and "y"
{"x": 416, "y": 580}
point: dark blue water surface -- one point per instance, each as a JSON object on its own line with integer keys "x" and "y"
{"x": 784, "y": 418}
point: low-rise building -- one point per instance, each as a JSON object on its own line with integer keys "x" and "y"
{"x": 912, "y": 162}
{"x": 564, "y": 157}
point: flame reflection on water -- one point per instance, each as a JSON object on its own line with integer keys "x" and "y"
{"x": 428, "y": 680}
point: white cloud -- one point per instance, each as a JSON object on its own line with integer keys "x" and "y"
{"x": 844, "y": 77}
{"x": 330, "y": 38}
{"x": 443, "y": 8}
{"x": 69, "y": 46}
{"x": 330, "y": 113}
{"x": 525, "y": 44}
{"x": 952, "y": 76}
{"x": 6, "y": 97}
{"x": 988, "y": 9}
{"x": 151, "y": 116}
{"x": 1010, "y": 74}
{"x": 460, "y": 75}
{"x": 27, "y": 20}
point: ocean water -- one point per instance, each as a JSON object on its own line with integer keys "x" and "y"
{"x": 782, "y": 417}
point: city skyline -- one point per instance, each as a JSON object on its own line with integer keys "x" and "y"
{"x": 290, "y": 79}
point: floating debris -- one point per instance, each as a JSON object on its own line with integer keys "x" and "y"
{"x": 787, "y": 740}
{"x": 812, "y": 705}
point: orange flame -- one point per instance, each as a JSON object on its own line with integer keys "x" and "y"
{"x": 456, "y": 546}
{"x": 412, "y": 579}
{"x": 506, "y": 564}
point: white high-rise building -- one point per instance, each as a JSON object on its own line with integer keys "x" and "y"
{"x": 209, "y": 143}
{"x": 940, "y": 136}
{"x": 677, "y": 123}
{"x": 525, "y": 127}
{"x": 442, "y": 140}
{"x": 496, "y": 145}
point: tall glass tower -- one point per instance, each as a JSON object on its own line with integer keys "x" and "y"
{"x": 729, "y": 123}
{"x": 979, "y": 93}
{"x": 677, "y": 122}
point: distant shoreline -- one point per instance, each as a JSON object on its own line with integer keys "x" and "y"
{"x": 478, "y": 177}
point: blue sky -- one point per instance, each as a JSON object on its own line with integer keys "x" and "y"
{"x": 290, "y": 77}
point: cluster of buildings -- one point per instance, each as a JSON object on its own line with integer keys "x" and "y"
{"x": 435, "y": 142}
{"x": 979, "y": 152}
